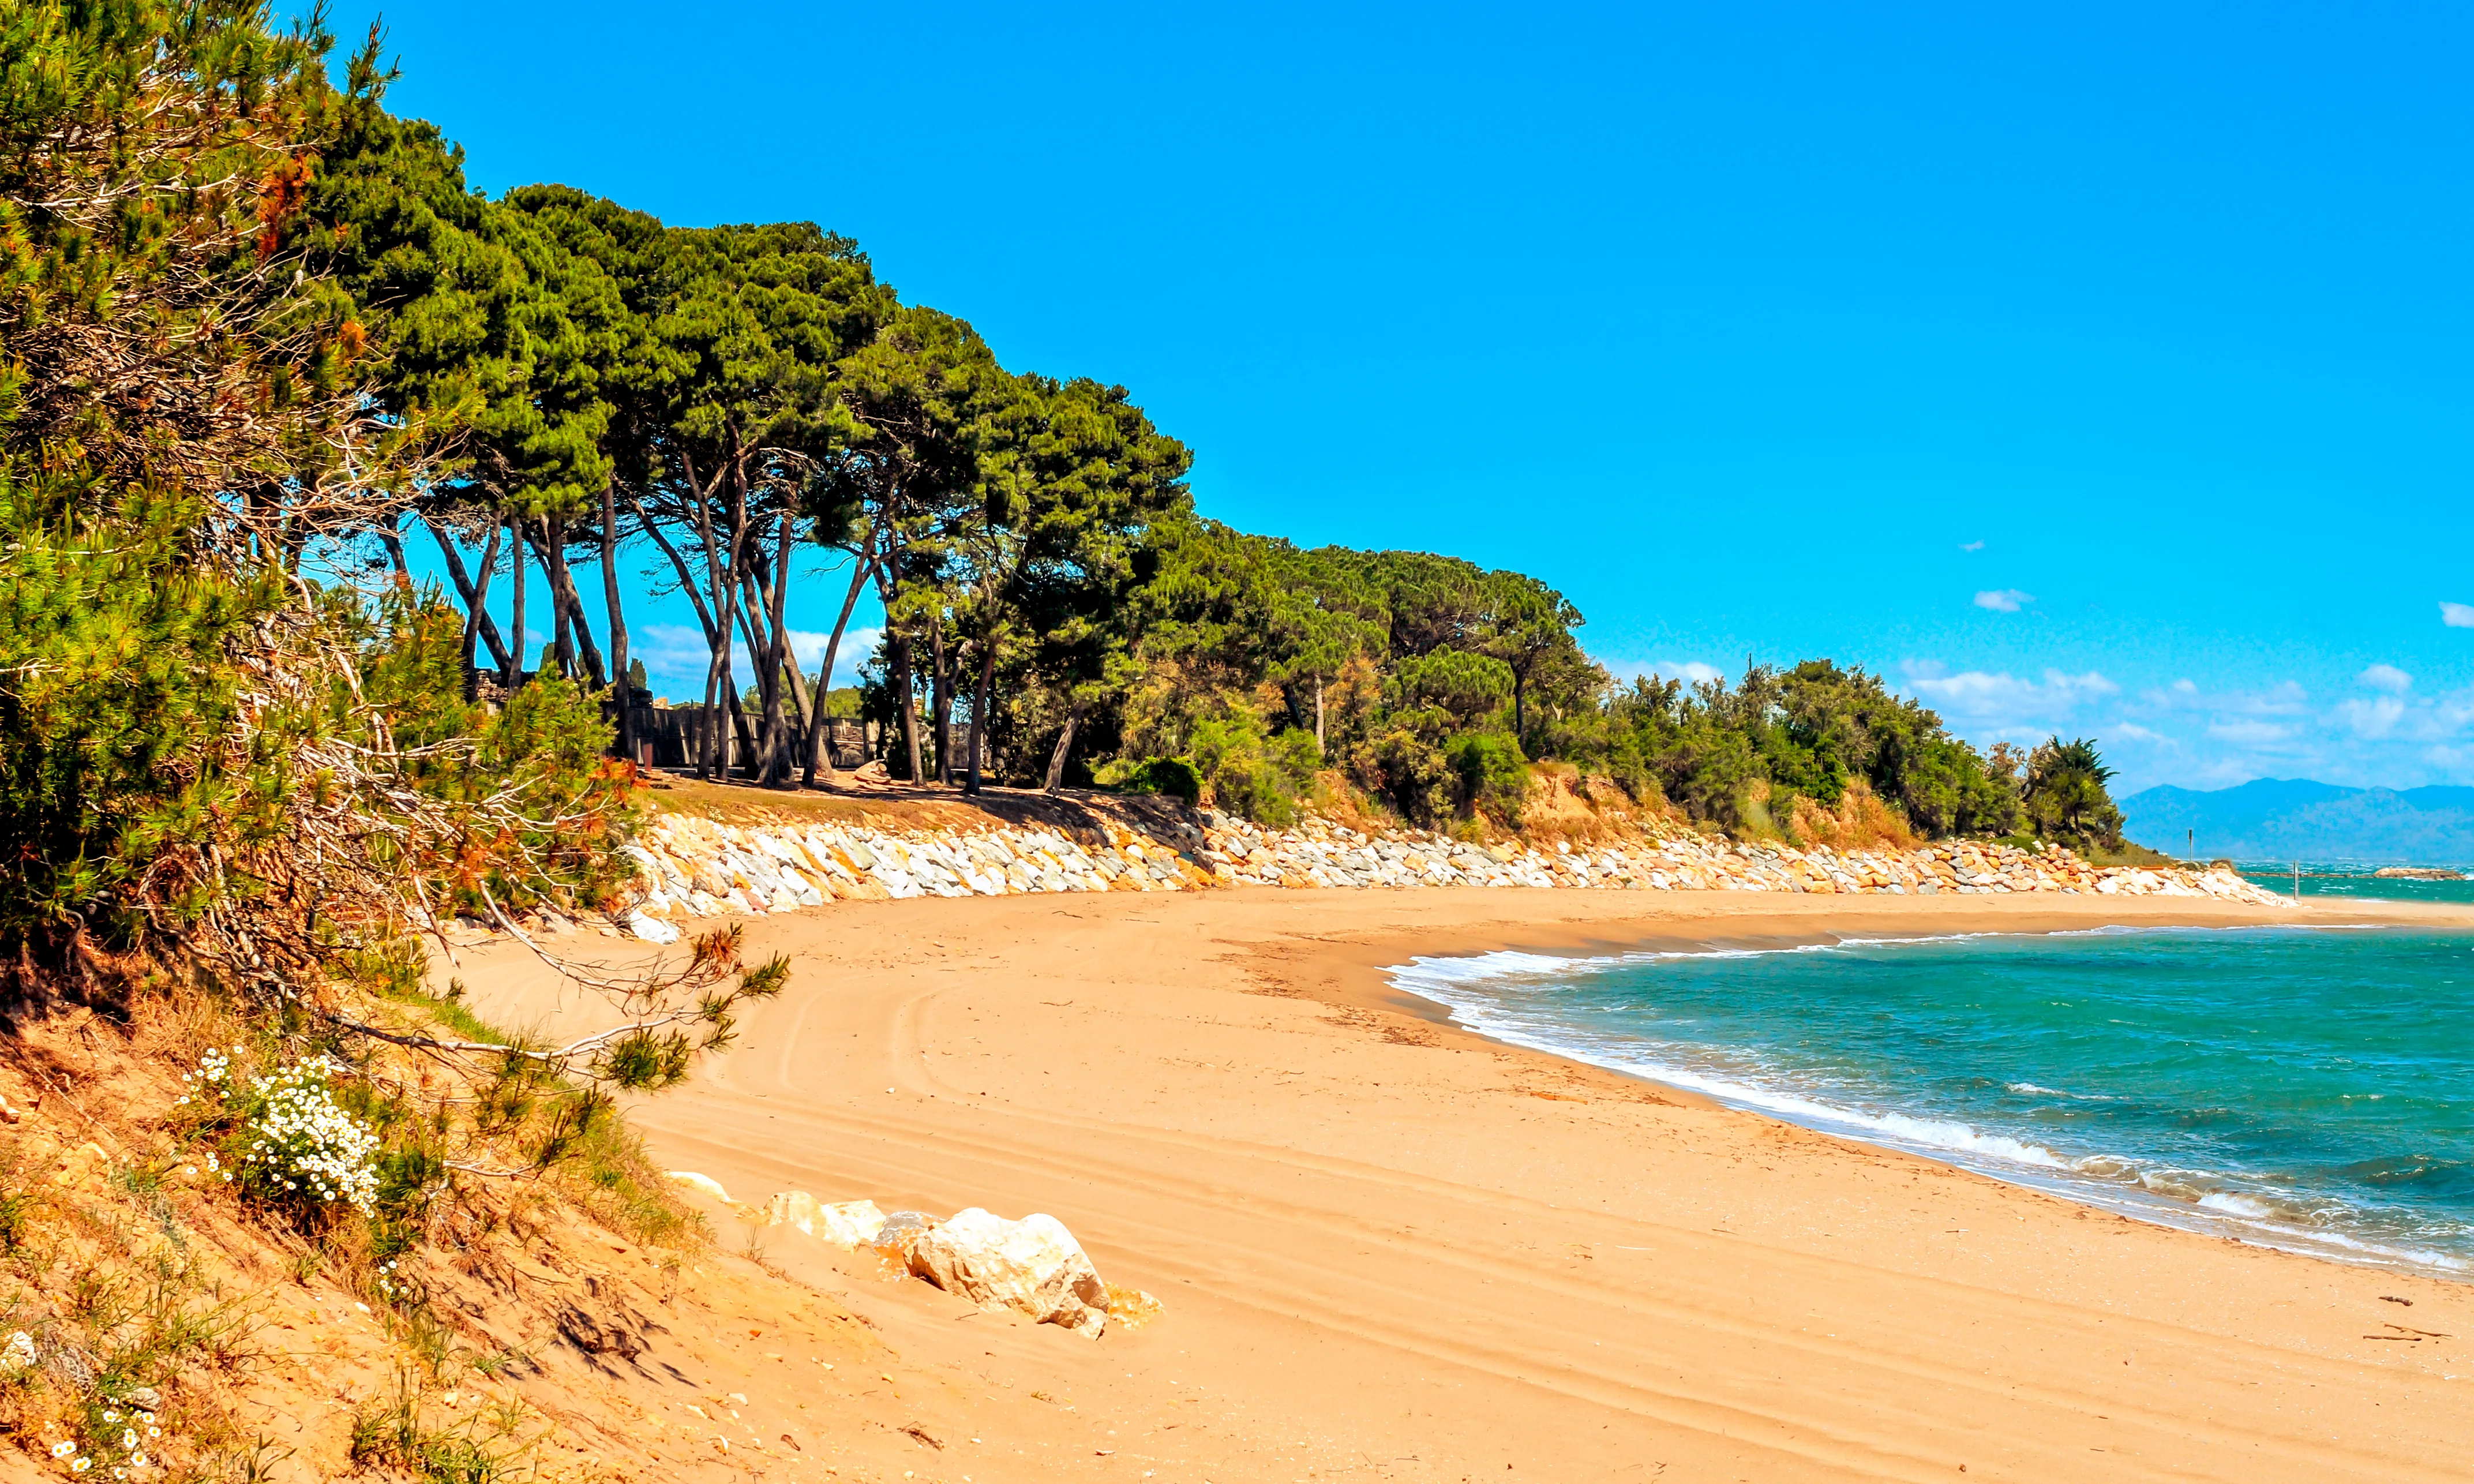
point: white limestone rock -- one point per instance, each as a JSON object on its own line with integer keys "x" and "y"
{"x": 1032, "y": 1266}
{"x": 849, "y": 1225}
{"x": 651, "y": 929}
{"x": 704, "y": 1183}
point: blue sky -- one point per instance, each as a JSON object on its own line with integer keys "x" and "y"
{"x": 2099, "y": 369}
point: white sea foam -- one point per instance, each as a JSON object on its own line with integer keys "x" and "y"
{"x": 1442, "y": 979}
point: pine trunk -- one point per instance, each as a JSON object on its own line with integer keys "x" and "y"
{"x": 1065, "y": 746}
{"x": 940, "y": 701}
{"x": 621, "y": 671}
{"x": 820, "y": 757}
{"x": 980, "y": 708}
{"x": 478, "y": 627}
{"x": 514, "y": 675}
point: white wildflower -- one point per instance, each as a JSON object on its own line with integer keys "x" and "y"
{"x": 305, "y": 1138}
{"x": 62, "y": 1449}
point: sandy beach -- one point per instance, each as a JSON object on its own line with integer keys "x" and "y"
{"x": 1390, "y": 1248}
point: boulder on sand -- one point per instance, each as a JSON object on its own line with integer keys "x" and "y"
{"x": 847, "y": 1225}
{"x": 1032, "y": 1266}
{"x": 900, "y": 1234}
{"x": 651, "y": 929}
{"x": 704, "y": 1183}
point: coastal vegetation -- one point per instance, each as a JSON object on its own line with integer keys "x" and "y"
{"x": 258, "y": 331}
{"x": 259, "y": 341}
{"x": 551, "y": 385}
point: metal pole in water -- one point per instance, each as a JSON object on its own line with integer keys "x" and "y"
{"x": 2297, "y": 881}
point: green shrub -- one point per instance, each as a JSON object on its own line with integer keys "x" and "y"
{"x": 1175, "y": 777}
{"x": 1404, "y": 767}
{"x": 1493, "y": 775}
{"x": 1251, "y": 772}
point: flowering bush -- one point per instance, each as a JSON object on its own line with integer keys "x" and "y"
{"x": 292, "y": 1144}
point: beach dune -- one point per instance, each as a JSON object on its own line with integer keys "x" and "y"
{"x": 1391, "y": 1250}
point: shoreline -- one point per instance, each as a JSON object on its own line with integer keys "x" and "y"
{"x": 1384, "y": 1237}
{"x": 2060, "y": 1174}
{"x": 2134, "y": 1201}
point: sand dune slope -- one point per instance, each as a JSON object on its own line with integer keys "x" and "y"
{"x": 1393, "y": 1250}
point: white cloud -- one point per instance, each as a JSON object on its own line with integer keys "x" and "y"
{"x": 2456, "y": 615}
{"x": 2372, "y": 718}
{"x": 858, "y": 645}
{"x": 1970, "y": 546}
{"x": 1689, "y": 672}
{"x": 2286, "y": 698}
{"x": 675, "y": 656}
{"x": 2249, "y": 734}
{"x": 2004, "y": 699}
{"x": 2386, "y": 677}
{"x": 2004, "y": 599}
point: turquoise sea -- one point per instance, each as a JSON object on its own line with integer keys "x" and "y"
{"x": 2305, "y": 1088}
{"x": 2355, "y": 881}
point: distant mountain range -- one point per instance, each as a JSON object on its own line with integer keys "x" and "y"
{"x": 2298, "y": 820}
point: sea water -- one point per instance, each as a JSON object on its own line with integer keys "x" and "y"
{"x": 2305, "y": 1088}
{"x": 2343, "y": 879}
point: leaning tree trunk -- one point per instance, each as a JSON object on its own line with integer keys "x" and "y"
{"x": 820, "y": 758}
{"x": 622, "y": 675}
{"x": 514, "y": 675}
{"x": 479, "y": 625}
{"x": 1064, "y": 746}
{"x": 777, "y": 656}
{"x": 787, "y": 668}
{"x": 562, "y": 631}
{"x": 908, "y": 699}
{"x": 738, "y": 727}
{"x": 940, "y": 700}
{"x": 718, "y": 684}
{"x": 393, "y": 540}
{"x": 980, "y": 708}
{"x": 579, "y": 644}
{"x": 721, "y": 575}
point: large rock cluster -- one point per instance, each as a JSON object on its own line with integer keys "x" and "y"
{"x": 1032, "y": 1267}
{"x": 691, "y": 867}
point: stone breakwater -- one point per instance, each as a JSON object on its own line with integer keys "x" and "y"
{"x": 689, "y": 867}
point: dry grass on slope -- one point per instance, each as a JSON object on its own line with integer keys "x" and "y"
{"x": 571, "y": 1323}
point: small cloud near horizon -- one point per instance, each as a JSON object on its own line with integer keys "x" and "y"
{"x": 2005, "y": 600}
{"x": 1690, "y": 671}
{"x": 1970, "y": 546}
{"x": 2456, "y": 615}
{"x": 2386, "y": 677}
{"x": 2249, "y": 734}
